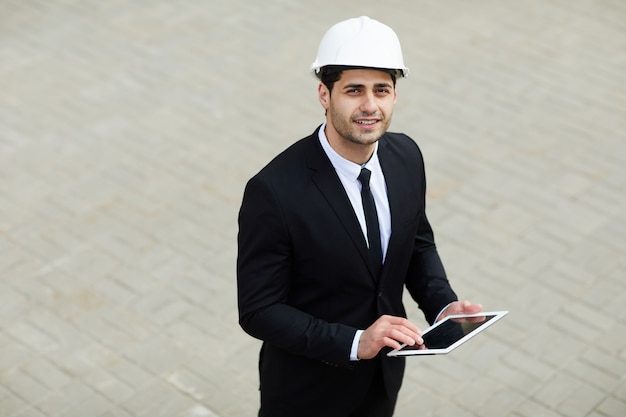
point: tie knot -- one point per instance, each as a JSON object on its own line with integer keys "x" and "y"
{"x": 364, "y": 177}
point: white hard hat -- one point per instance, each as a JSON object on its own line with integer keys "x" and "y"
{"x": 360, "y": 42}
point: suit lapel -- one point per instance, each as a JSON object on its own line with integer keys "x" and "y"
{"x": 325, "y": 178}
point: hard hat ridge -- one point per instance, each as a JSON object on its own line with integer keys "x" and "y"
{"x": 360, "y": 42}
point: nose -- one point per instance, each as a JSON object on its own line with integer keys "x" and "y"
{"x": 369, "y": 105}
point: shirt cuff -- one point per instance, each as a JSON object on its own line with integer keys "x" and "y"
{"x": 354, "y": 351}
{"x": 442, "y": 310}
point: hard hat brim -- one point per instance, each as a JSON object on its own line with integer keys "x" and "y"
{"x": 332, "y": 69}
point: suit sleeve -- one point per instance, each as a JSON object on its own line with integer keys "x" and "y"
{"x": 264, "y": 273}
{"x": 427, "y": 281}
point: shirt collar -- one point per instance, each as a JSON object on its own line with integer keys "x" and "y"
{"x": 341, "y": 164}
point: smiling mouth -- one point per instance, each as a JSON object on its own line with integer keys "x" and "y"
{"x": 366, "y": 122}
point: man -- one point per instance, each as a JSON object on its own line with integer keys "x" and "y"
{"x": 321, "y": 267}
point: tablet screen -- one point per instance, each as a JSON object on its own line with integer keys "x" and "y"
{"x": 450, "y": 333}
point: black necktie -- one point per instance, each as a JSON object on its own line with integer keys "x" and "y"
{"x": 371, "y": 220}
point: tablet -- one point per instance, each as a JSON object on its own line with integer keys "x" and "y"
{"x": 450, "y": 333}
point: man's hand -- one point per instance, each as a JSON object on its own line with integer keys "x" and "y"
{"x": 461, "y": 307}
{"x": 388, "y": 331}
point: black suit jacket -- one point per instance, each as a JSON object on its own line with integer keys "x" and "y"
{"x": 305, "y": 281}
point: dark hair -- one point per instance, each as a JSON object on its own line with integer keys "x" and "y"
{"x": 330, "y": 74}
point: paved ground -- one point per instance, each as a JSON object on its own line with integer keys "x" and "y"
{"x": 129, "y": 128}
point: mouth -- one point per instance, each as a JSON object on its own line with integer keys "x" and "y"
{"x": 366, "y": 123}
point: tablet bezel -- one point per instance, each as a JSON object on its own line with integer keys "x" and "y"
{"x": 495, "y": 316}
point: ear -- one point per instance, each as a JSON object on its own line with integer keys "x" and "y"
{"x": 323, "y": 95}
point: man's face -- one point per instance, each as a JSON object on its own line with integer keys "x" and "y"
{"x": 360, "y": 107}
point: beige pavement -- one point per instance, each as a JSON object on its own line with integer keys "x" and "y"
{"x": 129, "y": 128}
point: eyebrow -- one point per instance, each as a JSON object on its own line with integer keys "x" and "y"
{"x": 355, "y": 85}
